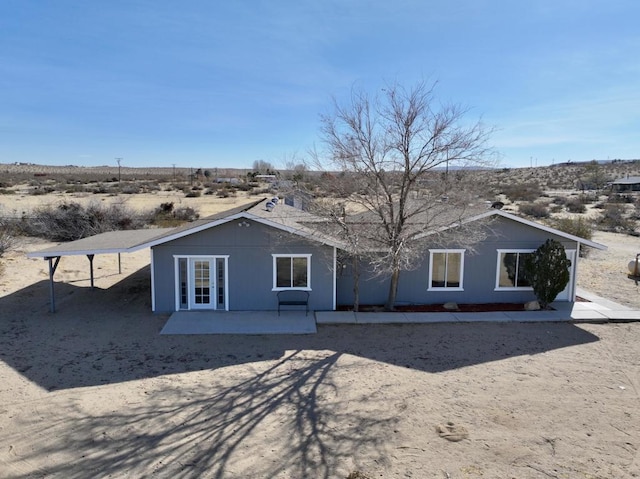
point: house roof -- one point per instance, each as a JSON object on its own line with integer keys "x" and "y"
{"x": 533, "y": 224}
{"x": 630, "y": 180}
{"x": 283, "y": 217}
{"x": 315, "y": 228}
{"x": 438, "y": 217}
{"x": 124, "y": 241}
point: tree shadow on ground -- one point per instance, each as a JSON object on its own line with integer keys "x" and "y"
{"x": 218, "y": 430}
{"x": 280, "y": 415}
{"x": 106, "y": 336}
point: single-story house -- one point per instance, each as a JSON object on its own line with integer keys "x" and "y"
{"x": 239, "y": 260}
{"x": 624, "y": 185}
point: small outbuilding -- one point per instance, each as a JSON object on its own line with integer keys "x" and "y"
{"x": 626, "y": 185}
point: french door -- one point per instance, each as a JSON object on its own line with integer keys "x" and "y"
{"x": 202, "y": 282}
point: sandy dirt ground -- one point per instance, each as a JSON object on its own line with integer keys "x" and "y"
{"x": 22, "y": 204}
{"x": 93, "y": 391}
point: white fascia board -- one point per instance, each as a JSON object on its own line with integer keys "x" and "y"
{"x": 548, "y": 229}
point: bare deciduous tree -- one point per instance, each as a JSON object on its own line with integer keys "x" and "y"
{"x": 7, "y": 239}
{"x": 263, "y": 167}
{"x": 401, "y": 157}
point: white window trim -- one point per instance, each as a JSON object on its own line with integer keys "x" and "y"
{"x": 176, "y": 261}
{"x": 498, "y": 267}
{"x": 275, "y": 270}
{"x": 445, "y": 288}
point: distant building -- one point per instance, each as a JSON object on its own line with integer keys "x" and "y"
{"x": 628, "y": 184}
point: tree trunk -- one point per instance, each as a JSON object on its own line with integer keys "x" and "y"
{"x": 393, "y": 289}
{"x": 356, "y": 284}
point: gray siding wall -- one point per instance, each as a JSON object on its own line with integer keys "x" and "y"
{"x": 250, "y": 266}
{"x": 479, "y": 272}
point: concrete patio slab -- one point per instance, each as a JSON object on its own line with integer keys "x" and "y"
{"x": 588, "y": 315}
{"x": 603, "y": 303}
{"x": 335, "y": 317}
{"x": 380, "y": 318}
{"x": 295, "y": 322}
{"x": 529, "y": 316}
{"x": 483, "y": 316}
{"x": 239, "y": 322}
{"x": 627, "y": 315}
{"x": 430, "y": 318}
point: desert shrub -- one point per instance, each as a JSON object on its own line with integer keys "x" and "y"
{"x": 166, "y": 215}
{"x": 522, "y": 192}
{"x": 98, "y": 189}
{"x": 40, "y": 190}
{"x": 357, "y": 475}
{"x": 4, "y": 191}
{"x": 193, "y": 194}
{"x": 151, "y": 186}
{"x": 7, "y": 238}
{"x": 186, "y": 213}
{"x": 577, "y": 227}
{"x": 131, "y": 189}
{"x": 72, "y": 221}
{"x": 614, "y": 219}
{"x": 588, "y": 198}
{"x": 74, "y": 189}
{"x": 555, "y": 208}
{"x": 575, "y": 205}
{"x": 226, "y": 192}
{"x": 536, "y": 210}
{"x": 618, "y": 198}
{"x": 244, "y": 187}
{"x": 262, "y": 191}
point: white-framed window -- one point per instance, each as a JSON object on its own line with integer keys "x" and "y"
{"x": 291, "y": 271}
{"x": 510, "y": 270}
{"x": 446, "y": 269}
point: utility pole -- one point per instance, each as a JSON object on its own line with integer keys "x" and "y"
{"x": 119, "y": 175}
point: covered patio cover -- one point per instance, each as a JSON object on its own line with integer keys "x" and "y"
{"x": 125, "y": 241}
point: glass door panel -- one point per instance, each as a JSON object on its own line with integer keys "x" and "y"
{"x": 201, "y": 283}
{"x": 221, "y": 296}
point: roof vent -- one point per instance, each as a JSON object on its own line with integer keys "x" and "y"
{"x": 270, "y": 205}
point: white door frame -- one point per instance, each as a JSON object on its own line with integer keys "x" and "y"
{"x": 190, "y": 277}
{"x": 568, "y": 294}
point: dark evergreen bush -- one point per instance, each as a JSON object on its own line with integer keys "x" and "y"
{"x": 547, "y": 270}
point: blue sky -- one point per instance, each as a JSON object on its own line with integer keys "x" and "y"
{"x": 221, "y": 84}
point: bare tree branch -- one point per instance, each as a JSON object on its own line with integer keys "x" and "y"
{"x": 389, "y": 152}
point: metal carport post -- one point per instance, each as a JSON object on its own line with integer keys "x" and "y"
{"x": 52, "y": 270}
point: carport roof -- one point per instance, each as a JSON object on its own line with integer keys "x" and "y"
{"x": 124, "y": 241}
